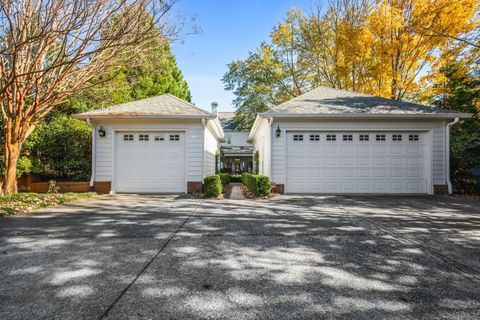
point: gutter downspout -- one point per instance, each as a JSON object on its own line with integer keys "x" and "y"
{"x": 205, "y": 124}
{"x": 94, "y": 143}
{"x": 447, "y": 157}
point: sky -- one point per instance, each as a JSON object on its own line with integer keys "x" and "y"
{"x": 229, "y": 29}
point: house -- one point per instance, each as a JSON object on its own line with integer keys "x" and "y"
{"x": 237, "y": 152}
{"x": 334, "y": 141}
{"x": 156, "y": 145}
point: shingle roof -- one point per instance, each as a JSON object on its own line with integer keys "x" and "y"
{"x": 164, "y": 105}
{"x": 324, "y": 100}
{"x": 227, "y": 120}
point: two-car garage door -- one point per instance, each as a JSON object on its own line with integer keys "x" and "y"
{"x": 356, "y": 162}
{"x": 150, "y": 162}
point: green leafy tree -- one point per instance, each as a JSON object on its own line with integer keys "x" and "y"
{"x": 62, "y": 149}
{"x": 460, "y": 91}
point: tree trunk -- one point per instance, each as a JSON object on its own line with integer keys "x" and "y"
{"x": 12, "y": 153}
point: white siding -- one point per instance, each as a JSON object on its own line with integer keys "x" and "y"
{"x": 195, "y": 144}
{"x": 211, "y": 147}
{"x": 262, "y": 144}
{"x": 437, "y": 129}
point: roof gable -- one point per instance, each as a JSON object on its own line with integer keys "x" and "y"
{"x": 324, "y": 100}
{"x": 164, "y": 105}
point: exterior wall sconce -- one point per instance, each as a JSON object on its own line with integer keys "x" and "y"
{"x": 101, "y": 132}
{"x": 278, "y": 131}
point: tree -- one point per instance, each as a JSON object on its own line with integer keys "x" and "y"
{"x": 51, "y": 49}
{"x": 386, "y": 48}
{"x": 459, "y": 89}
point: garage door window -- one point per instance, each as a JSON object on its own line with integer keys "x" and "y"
{"x": 364, "y": 137}
{"x": 331, "y": 137}
{"x": 347, "y": 137}
{"x": 314, "y": 137}
{"x": 298, "y": 137}
{"x": 128, "y": 137}
{"x": 174, "y": 137}
{"x": 380, "y": 137}
{"x": 143, "y": 137}
{"x": 413, "y": 137}
{"x": 397, "y": 137}
{"x": 159, "y": 138}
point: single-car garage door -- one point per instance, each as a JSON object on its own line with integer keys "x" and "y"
{"x": 150, "y": 162}
{"x": 357, "y": 162}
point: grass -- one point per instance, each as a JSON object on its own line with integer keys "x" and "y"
{"x": 26, "y": 201}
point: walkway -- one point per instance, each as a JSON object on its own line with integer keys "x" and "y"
{"x": 237, "y": 193}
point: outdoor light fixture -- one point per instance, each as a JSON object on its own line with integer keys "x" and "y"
{"x": 101, "y": 132}
{"x": 278, "y": 131}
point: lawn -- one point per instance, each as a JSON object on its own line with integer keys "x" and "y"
{"x": 26, "y": 201}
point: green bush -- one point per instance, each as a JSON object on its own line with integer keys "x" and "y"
{"x": 257, "y": 184}
{"x": 236, "y": 178}
{"x": 225, "y": 178}
{"x": 263, "y": 186}
{"x": 212, "y": 186}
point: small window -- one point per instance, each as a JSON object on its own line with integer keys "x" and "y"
{"x": 174, "y": 137}
{"x": 298, "y": 137}
{"x": 364, "y": 137}
{"x": 396, "y": 137}
{"x": 128, "y": 137}
{"x": 159, "y": 138}
{"x": 380, "y": 137}
{"x": 413, "y": 137}
{"x": 314, "y": 137}
{"x": 143, "y": 137}
{"x": 347, "y": 137}
{"x": 331, "y": 137}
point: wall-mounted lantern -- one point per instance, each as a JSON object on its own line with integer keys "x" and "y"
{"x": 278, "y": 131}
{"x": 101, "y": 132}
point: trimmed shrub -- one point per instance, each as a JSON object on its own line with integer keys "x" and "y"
{"x": 225, "y": 178}
{"x": 263, "y": 186}
{"x": 212, "y": 186}
{"x": 257, "y": 184}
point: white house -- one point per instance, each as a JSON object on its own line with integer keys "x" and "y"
{"x": 237, "y": 151}
{"x": 156, "y": 145}
{"x": 334, "y": 141}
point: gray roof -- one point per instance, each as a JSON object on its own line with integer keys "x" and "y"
{"x": 324, "y": 100}
{"x": 227, "y": 120}
{"x": 164, "y": 105}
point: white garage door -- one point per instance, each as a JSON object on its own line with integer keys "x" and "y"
{"x": 353, "y": 162}
{"x": 150, "y": 162}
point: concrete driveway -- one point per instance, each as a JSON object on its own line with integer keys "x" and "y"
{"x": 167, "y": 257}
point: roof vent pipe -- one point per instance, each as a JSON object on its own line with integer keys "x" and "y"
{"x": 214, "y": 107}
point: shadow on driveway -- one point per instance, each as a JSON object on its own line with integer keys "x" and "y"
{"x": 295, "y": 257}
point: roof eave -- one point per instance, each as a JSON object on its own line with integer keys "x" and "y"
{"x": 364, "y": 116}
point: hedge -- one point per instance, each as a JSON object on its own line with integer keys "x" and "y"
{"x": 236, "y": 178}
{"x": 212, "y": 186}
{"x": 225, "y": 178}
{"x": 257, "y": 184}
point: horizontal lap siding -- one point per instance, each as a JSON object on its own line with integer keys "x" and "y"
{"x": 263, "y": 146}
{"x": 437, "y": 128}
{"x": 439, "y": 153}
{"x": 104, "y": 147}
{"x": 211, "y": 146}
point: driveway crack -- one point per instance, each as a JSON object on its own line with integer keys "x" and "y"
{"x": 465, "y": 269}
{"x": 145, "y": 267}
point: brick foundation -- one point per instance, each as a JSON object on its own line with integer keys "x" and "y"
{"x": 440, "y": 189}
{"x": 194, "y": 186}
{"x": 102, "y": 187}
{"x": 278, "y": 188}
